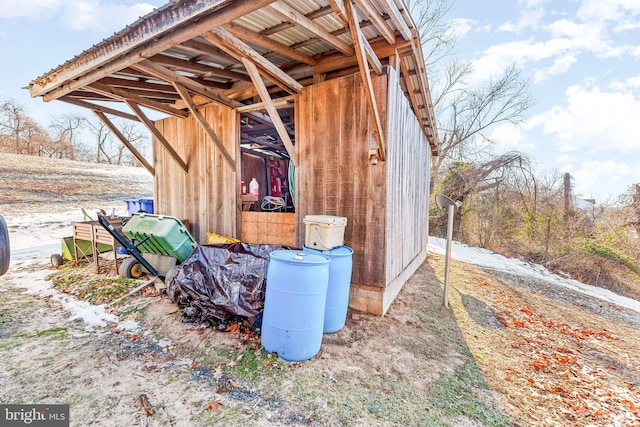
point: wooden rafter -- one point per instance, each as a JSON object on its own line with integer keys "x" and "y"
{"x": 280, "y": 102}
{"x": 338, "y": 8}
{"x": 396, "y": 17}
{"x": 186, "y": 97}
{"x": 334, "y": 62}
{"x": 378, "y": 21}
{"x": 207, "y": 50}
{"x": 292, "y": 15}
{"x": 239, "y": 49}
{"x": 163, "y": 73}
{"x": 112, "y": 127}
{"x": 323, "y": 11}
{"x": 264, "y": 41}
{"x": 137, "y": 84}
{"x": 154, "y": 130}
{"x": 412, "y": 95}
{"x": 143, "y": 45}
{"x": 124, "y": 95}
{"x": 207, "y": 70}
{"x": 100, "y": 108}
{"x": 366, "y": 77}
{"x": 271, "y": 109}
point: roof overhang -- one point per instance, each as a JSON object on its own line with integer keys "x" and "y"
{"x": 192, "y": 52}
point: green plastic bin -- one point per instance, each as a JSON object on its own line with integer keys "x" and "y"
{"x": 160, "y": 234}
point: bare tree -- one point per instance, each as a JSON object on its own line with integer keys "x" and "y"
{"x": 19, "y": 133}
{"x": 66, "y": 130}
{"x": 103, "y": 139}
{"x": 137, "y": 137}
{"x": 464, "y": 112}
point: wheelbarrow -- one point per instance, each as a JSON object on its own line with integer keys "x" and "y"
{"x": 156, "y": 244}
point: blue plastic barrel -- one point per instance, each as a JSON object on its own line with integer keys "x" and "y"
{"x": 340, "y": 267}
{"x": 146, "y": 205}
{"x": 293, "y": 317}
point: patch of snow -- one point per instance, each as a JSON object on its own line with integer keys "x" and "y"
{"x": 33, "y": 239}
{"x": 485, "y": 258}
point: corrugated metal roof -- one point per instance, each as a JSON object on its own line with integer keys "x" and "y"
{"x": 175, "y": 30}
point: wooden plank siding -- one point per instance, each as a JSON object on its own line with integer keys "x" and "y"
{"x": 408, "y": 161}
{"x": 206, "y": 194}
{"x": 386, "y": 204}
{"x": 335, "y": 177}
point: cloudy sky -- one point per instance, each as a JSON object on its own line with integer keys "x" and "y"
{"x": 582, "y": 58}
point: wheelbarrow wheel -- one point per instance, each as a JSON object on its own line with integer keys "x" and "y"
{"x": 130, "y": 268}
{"x": 57, "y": 260}
{"x": 5, "y": 254}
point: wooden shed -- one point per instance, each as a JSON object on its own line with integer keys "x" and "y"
{"x": 325, "y": 103}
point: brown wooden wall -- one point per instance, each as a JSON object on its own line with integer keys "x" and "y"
{"x": 333, "y": 135}
{"x": 386, "y": 204}
{"x": 206, "y": 195}
{"x": 408, "y": 163}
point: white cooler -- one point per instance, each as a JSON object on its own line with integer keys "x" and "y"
{"x": 324, "y": 232}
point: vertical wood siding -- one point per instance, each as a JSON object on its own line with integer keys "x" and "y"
{"x": 408, "y": 158}
{"x": 334, "y": 177}
{"x": 206, "y": 195}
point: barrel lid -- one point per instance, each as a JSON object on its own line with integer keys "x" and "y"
{"x": 299, "y": 257}
{"x": 337, "y": 251}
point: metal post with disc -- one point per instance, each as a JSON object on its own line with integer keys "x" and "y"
{"x": 445, "y": 202}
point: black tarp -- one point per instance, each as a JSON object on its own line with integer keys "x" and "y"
{"x": 221, "y": 284}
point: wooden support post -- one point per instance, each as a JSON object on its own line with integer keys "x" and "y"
{"x": 356, "y": 35}
{"x": 154, "y": 130}
{"x": 186, "y": 97}
{"x": 108, "y": 123}
{"x": 271, "y": 109}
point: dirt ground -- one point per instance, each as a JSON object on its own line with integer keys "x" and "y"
{"x": 503, "y": 354}
{"x": 508, "y": 351}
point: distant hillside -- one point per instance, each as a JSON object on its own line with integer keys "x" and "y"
{"x": 30, "y": 183}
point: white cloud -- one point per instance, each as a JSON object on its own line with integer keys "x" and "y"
{"x": 33, "y": 9}
{"x": 460, "y": 27}
{"x": 610, "y": 10}
{"x": 602, "y": 179}
{"x": 629, "y": 84}
{"x": 560, "y": 65}
{"x": 594, "y": 121}
{"x": 530, "y": 17}
{"x": 510, "y": 137}
{"x": 95, "y": 15}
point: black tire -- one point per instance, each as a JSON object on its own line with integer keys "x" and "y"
{"x": 57, "y": 260}
{"x": 5, "y": 253}
{"x": 130, "y": 268}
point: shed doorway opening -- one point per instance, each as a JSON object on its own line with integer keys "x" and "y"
{"x": 268, "y": 212}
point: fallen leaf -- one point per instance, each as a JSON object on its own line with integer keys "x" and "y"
{"x": 213, "y": 405}
{"x": 144, "y": 401}
{"x": 233, "y": 328}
